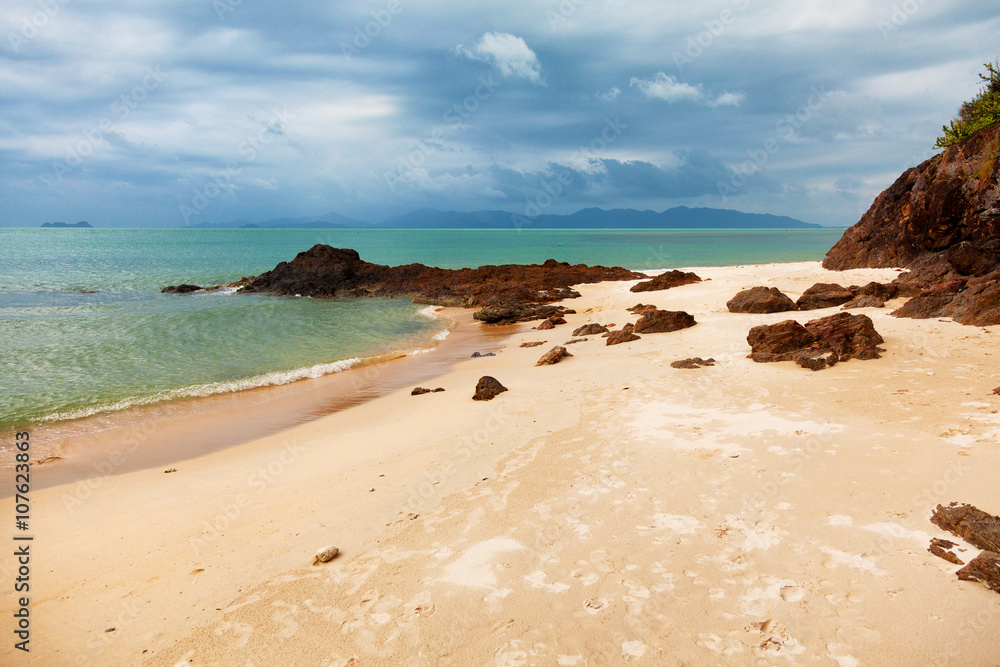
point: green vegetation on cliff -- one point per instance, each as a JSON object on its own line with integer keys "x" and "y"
{"x": 981, "y": 111}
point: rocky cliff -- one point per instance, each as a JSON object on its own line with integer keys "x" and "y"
{"x": 952, "y": 197}
{"x": 941, "y": 221}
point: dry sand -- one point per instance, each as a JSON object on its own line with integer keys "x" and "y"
{"x": 606, "y": 510}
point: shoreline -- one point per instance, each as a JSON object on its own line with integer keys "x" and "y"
{"x": 606, "y": 510}
{"x": 173, "y": 431}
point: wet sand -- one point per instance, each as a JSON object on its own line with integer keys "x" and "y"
{"x": 166, "y": 433}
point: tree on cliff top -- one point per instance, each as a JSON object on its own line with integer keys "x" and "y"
{"x": 979, "y": 112}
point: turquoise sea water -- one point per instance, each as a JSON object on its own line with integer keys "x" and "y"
{"x": 84, "y": 329}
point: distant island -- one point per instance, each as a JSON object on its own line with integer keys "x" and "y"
{"x": 82, "y": 223}
{"x": 680, "y": 217}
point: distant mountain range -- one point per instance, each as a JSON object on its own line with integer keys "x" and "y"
{"x": 680, "y": 217}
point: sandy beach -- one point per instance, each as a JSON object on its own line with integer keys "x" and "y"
{"x": 606, "y": 510}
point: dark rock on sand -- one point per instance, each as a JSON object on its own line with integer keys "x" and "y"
{"x": 641, "y": 308}
{"x": 761, "y": 300}
{"x": 533, "y": 343}
{"x": 553, "y": 356}
{"x": 983, "y": 569}
{"x": 973, "y": 525}
{"x": 573, "y": 341}
{"x": 942, "y": 549}
{"x": 864, "y": 301}
{"x": 545, "y": 325}
{"x": 666, "y": 281}
{"x": 179, "y": 289}
{"x": 439, "y": 389}
{"x": 476, "y": 355}
{"x": 589, "y": 330}
{"x": 621, "y": 336}
{"x": 506, "y": 293}
{"x": 663, "y": 321}
{"x": 488, "y": 388}
{"x": 823, "y": 295}
{"x": 417, "y": 391}
{"x": 818, "y": 344}
{"x": 692, "y": 363}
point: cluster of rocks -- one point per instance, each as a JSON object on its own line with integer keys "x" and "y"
{"x": 819, "y": 296}
{"x": 817, "y": 344}
{"x": 978, "y": 528}
{"x": 940, "y": 220}
{"x": 417, "y": 391}
{"x": 504, "y": 294}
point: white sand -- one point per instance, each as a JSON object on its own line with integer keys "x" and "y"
{"x": 606, "y": 510}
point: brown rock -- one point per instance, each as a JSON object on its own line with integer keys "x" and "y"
{"x": 438, "y": 389}
{"x": 505, "y": 293}
{"x": 947, "y": 199}
{"x": 547, "y": 324}
{"x": 553, "y": 356}
{"x": 589, "y": 330}
{"x": 641, "y": 308}
{"x": 760, "y": 300}
{"x": 778, "y": 342}
{"x": 692, "y": 363}
{"x": 818, "y": 344}
{"x": 663, "y": 321}
{"x": 823, "y": 295}
{"x": 419, "y": 390}
{"x": 864, "y": 301}
{"x": 573, "y": 341}
{"x": 940, "y": 220}
{"x": 179, "y": 289}
{"x": 533, "y": 343}
{"x": 942, "y": 549}
{"x": 488, "y": 388}
{"x": 666, "y": 281}
{"x": 983, "y": 569}
{"x": 621, "y": 336}
{"x": 973, "y": 525}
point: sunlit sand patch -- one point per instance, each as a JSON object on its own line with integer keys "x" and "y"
{"x": 474, "y": 567}
{"x": 691, "y": 428}
{"x": 854, "y": 561}
{"x": 895, "y": 530}
{"x": 677, "y": 523}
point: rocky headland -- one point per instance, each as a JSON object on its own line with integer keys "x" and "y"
{"x": 940, "y": 220}
{"x": 505, "y": 293}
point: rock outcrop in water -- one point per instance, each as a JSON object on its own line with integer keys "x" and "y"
{"x": 940, "y": 220}
{"x": 506, "y": 293}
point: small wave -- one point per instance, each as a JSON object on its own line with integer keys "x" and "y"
{"x": 429, "y": 312}
{"x": 272, "y": 379}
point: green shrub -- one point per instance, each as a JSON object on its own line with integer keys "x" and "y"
{"x": 979, "y": 112}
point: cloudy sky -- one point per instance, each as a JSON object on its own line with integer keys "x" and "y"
{"x": 162, "y": 113}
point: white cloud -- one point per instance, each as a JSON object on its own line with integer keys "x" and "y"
{"x": 728, "y": 100}
{"x": 505, "y": 52}
{"x": 666, "y": 87}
